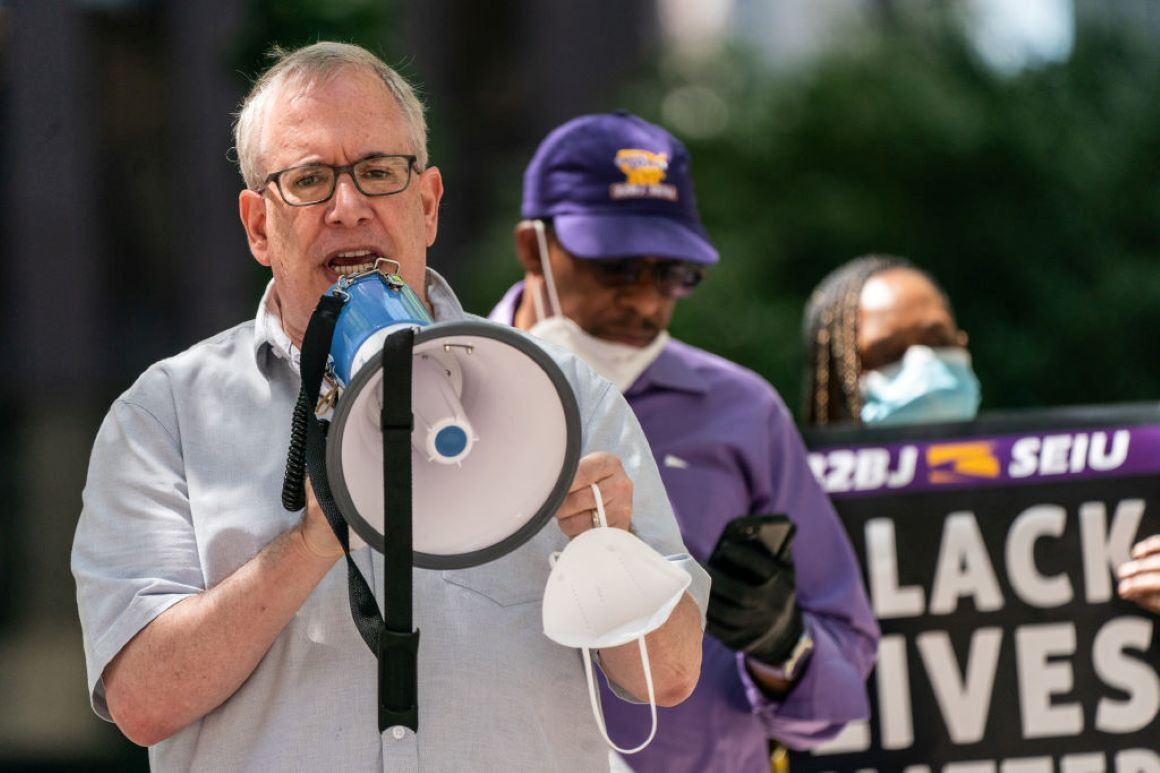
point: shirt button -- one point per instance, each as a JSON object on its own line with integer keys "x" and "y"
{"x": 398, "y": 732}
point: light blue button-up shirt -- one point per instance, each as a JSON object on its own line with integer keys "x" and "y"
{"x": 184, "y": 488}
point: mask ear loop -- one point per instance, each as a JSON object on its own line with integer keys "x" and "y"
{"x": 549, "y": 280}
{"x": 600, "y": 516}
{"x": 599, "y": 506}
{"x": 652, "y": 698}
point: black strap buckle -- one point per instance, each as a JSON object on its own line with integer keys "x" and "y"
{"x": 398, "y": 679}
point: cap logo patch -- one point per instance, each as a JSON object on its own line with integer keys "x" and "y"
{"x": 645, "y": 173}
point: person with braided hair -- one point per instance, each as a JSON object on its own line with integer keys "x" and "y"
{"x": 883, "y": 347}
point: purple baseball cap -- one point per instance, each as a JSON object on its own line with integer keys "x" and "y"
{"x": 616, "y": 186}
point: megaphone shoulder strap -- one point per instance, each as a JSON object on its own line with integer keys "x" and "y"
{"x": 396, "y": 423}
{"x": 392, "y": 640}
{"x": 315, "y": 348}
{"x": 399, "y": 646}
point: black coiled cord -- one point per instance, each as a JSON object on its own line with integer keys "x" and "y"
{"x": 294, "y": 483}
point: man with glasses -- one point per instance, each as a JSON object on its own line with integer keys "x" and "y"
{"x": 379, "y": 174}
{"x": 217, "y": 625}
{"x": 610, "y": 241}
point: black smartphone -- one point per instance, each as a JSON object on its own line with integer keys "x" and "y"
{"x": 775, "y": 531}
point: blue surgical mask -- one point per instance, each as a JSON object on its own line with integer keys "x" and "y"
{"x": 925, "y": 385}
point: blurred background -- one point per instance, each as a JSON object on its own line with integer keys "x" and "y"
{"x": 1011, "y": 147}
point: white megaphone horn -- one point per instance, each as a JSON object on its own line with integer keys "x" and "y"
{"x": 496, "y": 436}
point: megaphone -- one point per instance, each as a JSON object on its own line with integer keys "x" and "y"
{"x": 494, "y": 443}
{"x": 496, "y": 438}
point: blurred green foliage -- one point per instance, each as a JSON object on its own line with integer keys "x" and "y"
{"x": 1032, "y": 197}
{"x": 294, "y": 23}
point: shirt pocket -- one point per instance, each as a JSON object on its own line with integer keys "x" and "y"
{"x": 516, "y": 578}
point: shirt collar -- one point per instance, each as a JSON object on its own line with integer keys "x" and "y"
{"x": 670, "y": 370}
{"x": 268, "y": 332}
{"x": 505, "y": 311}
{"x": 269, "y": 336}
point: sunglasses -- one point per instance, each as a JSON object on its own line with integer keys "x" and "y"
{"x": 673, "y": 278}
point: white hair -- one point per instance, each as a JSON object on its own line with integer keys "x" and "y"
{"x": 314, "y": 62}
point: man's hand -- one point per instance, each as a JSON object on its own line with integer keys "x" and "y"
{"x": 578, "y": 512}
{"x": 314, "y": 530}
{"x": 1140, "y": 577}
{"x": 752, "y": 605}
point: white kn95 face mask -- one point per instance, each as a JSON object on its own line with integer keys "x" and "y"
{"x": 606, "y": 588}
{"x": 619, "y": 363}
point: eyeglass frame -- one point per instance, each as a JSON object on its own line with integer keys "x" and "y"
{"x": 275, "y": 177}
{"x": 646, "y": 261}
{"x": 597, "y": 267}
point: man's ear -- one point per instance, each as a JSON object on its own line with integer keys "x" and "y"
{"x": 252, "y": 210}
{"x": 528, "y": 248}
{"x": 962, "y": 339}
{"x": 430, "y": 194}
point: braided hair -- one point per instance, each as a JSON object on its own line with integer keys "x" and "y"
{"x": 830, "y": 338}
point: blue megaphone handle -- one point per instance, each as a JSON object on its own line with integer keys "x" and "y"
{"x": 374, "y": 301}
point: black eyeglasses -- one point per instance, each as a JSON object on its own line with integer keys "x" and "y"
{"x": 376, "y": 175}
{"x": 673, "y": 278}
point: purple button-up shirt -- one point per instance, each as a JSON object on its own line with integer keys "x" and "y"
{"x": 727, "y": 446}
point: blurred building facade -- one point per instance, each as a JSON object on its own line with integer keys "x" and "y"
{"x": 120, "y": 246}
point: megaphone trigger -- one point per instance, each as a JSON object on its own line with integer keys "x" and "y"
{"x": 328, "y": 399}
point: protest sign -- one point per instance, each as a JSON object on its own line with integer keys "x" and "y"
{"x": 989, "y": 550}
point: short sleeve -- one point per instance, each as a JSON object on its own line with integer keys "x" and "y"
{"x": 610, "y": 425}
{"x": 134, "y": 554}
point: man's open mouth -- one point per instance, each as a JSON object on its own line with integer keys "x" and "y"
{"x": 353, "y": 262}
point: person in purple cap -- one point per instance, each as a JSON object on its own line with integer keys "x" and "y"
{"x": 610, "y": 240}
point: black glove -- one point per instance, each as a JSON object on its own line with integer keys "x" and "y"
{"x": 752, "y": 606}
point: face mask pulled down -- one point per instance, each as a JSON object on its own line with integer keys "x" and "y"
{"x": 606, "y": 588}
{"x": 619, "y": 363}
{"x": 925, "y": 385}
